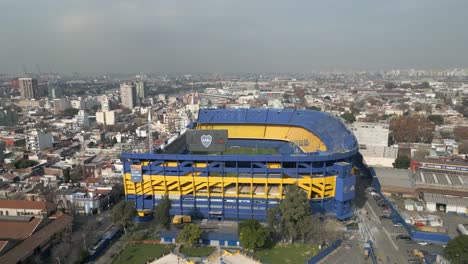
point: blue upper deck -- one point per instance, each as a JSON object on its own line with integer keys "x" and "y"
{"x": 332, "y": 131}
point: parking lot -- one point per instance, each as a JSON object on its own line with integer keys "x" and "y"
{"x": 385, "y": 231}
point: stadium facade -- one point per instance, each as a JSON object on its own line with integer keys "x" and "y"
{"x": 311, "y": 149}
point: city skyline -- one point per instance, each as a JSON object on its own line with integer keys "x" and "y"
{"x": 231, "y": 36}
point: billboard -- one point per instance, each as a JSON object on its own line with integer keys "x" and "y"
{"x": 207, "y": 140}
{"x": 135, "y": 173}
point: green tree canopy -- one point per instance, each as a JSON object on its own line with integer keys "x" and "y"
{"x": 123, "y": 214}
{"x": 457, "y": 249}
{"x": 189, "y": 235}
{"x": 349, "y": 117}
{"x": 402, "y": 162}
{"x": 252, "y": 234}
{"x": 22, "y": 164}
{"x": 292, "y": 215}
{"x": 161, "y": 212}
{"x": 390, "y": 85}
{"x": 436, "y": 119}
{"x": 314, "y": 108}
{"x": 69, "y": 112}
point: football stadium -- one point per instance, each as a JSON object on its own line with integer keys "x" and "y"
{"x": 236, "y": 163}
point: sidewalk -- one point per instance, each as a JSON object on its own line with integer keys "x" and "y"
{"x": 110, "y": 253}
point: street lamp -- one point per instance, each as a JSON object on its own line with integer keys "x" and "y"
{"x": 58, "y": 259}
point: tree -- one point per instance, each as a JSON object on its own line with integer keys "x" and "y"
{"x": 456, "y": 250}
{"x": 436, "y": 119}
{"x": 117, "y": 193}
{"x": 291, "y": 215}
{"x": 412, "y": 129}
{"x": 22, "y": 164}
{"x": 123, "y": 214}
{"x": 189, "y": 235}
{"x": 161, "y": 212}
{"x": 402, "y": 162}
{"x": 390, "y": 85}
{"x": 69, "y": 112}
{"x": 349, "y": 117}
{"x": 460, "y": 133}
{"x": 421, "y": 153}
{"x": 252, "y": 234}
{"x": 315, "y": 108}
{"x": 66, "y": 175}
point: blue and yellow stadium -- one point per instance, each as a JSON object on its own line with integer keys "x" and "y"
{"x": 265, "y": 151}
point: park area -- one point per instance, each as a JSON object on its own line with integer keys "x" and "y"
{"x": 291, "y": 253}
{"x": 141, "y": 253}
{"x": 197, "y": 251}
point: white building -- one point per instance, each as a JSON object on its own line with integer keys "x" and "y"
{"x": 106, "y": 118}
{"x": 105, "y": 104}
{"x": 78, "y": 103}
{"x": 37, "y": 140}
{"x": 371, "y": 134}
{"x": 128, "y": 95}
{"x": 82, "y": 119}
{"x": 435, "y": 202}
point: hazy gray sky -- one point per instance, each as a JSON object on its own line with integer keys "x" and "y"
{"x": 231, "y": 35}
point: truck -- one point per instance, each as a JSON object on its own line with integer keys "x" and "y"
{"x": 181, "y": 219}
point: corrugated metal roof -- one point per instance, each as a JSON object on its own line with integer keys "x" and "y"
{"x": 445, "y": 199}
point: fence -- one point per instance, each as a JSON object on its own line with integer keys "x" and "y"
{"x": 325, "y": 252}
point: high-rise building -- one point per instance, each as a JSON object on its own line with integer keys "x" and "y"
{"x": 105, "y": 117}
{"x": 28, "y": 88}
{"x": 128, "y": 95}
{"x": 105, "y": 106}
{"x": 140, "y": 89}
{"x": 60, "y": 105}
{"x": 82, "y": 119}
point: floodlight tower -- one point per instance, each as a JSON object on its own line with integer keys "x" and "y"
{"x": 150, "y": 133}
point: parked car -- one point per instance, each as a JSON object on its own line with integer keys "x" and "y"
{"x": 381, "y": 203}
{"x": 384, "y": 217}
{"x": 398, "y": 225}
{"x": 403, "y": 236}
{"x": 423, "y": 243}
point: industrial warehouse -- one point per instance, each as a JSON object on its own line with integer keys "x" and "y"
{"x": 236, "y": 163}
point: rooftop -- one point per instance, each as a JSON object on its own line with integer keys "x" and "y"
{"x": 331, "y": 130}
{"x": 18, "y": 230}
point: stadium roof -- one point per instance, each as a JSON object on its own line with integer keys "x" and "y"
{"x": 332, "y": 131}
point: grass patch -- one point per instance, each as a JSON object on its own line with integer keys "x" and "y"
{"x": 197, "y": 251}
{"x": 141, "y": 253}
{"x": 292, "y": 253}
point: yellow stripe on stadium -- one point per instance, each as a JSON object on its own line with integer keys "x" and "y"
{"x": 249, "y": 187}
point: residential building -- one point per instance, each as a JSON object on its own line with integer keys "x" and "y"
{"x": 371, "y": 134}
{"x": 128, "y": 95}
{"x": 106, "y": 118}
{"x": 28, "y": 88}
{"x": 38, "y": 140}
{"x": 140, "y": 89}
{"x": 26, "y": 208}
{"x": 82, "y": 119}
{"x": 60, "y": 105}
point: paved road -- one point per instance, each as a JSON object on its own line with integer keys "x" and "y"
{"x": 386, "y": 247}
